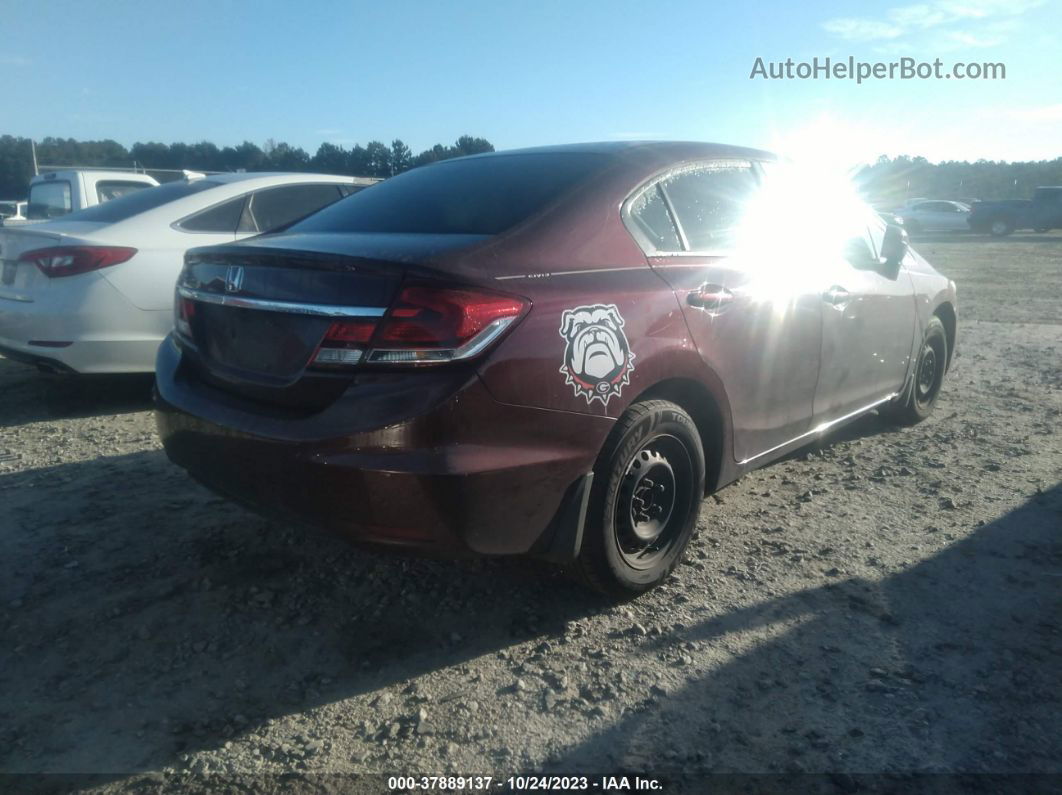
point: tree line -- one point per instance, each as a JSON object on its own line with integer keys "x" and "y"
{"x": 891, "y": 181}
{"x": 375, "y": 159}
{"x": 887, "y": 182}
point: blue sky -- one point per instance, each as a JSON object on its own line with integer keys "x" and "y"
{"x": 528, "y": 73}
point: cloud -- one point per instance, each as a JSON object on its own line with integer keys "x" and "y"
{"x": 862, "y": 29}
{"x": 1037, "y": 113}
{"x": 962, "y": 39}
{"x": 983, "y": 22}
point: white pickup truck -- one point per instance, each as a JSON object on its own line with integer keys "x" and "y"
{"x": 57, "y": 193}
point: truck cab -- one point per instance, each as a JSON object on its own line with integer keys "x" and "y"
{"x": 57, "y": 193}
{"x": 1042, "y": 213}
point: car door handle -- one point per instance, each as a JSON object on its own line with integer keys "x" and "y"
{"x": 836, "y": 296}
{"x": 710, "y": 297}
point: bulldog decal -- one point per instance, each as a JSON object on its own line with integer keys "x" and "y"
{"x": 597, "y": 357}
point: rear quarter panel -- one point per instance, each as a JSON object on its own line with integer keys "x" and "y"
{"x": 931, "y": 290}
{"x": 528, "y": 367}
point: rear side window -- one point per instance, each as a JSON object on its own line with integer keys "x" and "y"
{"x": 221, "y": 219}
{"x": 709, "y": 202}
{"x": 472, "y": 196}
{"x": 143, "y": 200}
{"x": 651, "y": 222}
{"x": 113, "y": 189}
{"x": 278, "y": 207}
{"x": 49, "y": 200}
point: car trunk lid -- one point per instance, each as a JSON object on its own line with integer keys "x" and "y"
{"x": 259, "y": 311}
{"x": 22, "y": 281}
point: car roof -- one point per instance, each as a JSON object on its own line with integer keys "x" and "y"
{"x": 283, "y": 176}
{"x": 222, "y": 188}
{"x": 648, "y": 150}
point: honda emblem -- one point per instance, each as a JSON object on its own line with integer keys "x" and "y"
{"x": 233, "y": 279}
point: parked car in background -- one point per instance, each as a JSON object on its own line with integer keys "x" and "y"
{"x": 889, "y": 217}
{"x": 934, "y": 215}
{"x": 553, "y": 352}
{"x": 58, "y": 193}
{"x": 1041, "y": 213}
{"x": 93, "y": 292}
{"x": 15, "y": 210}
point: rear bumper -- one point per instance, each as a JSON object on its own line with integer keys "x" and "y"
{"x": 461, "y": 475}
{"x": 90, "y": 326}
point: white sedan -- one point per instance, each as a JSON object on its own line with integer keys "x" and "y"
{"x": 933, "y": 215}
{"x": 93, "y": 292}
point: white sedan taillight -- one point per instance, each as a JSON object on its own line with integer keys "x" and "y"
{"x": 72, "y": 260}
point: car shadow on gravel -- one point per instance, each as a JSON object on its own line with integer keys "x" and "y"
{"x": 144, "y": 618}
{"x": 950, "y": 666}
{"x": 45, "y": 396}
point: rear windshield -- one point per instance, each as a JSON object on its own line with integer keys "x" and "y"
{"x": 49, "y": 200}
{"x": 114, "y": 189}
{"x": 141, "y": 201}
{"x": 473, "y": 196}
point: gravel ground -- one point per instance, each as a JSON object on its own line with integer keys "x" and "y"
{"x": 885, "y": 602}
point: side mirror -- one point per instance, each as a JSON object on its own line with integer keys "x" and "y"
{"x": 894, "y": 246}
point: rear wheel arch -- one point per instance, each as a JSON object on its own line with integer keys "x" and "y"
{"x": 707, "y": 414}
{"x": 946, "y": 313}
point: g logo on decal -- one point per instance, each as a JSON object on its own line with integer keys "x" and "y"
{"x": 597, "y": 357}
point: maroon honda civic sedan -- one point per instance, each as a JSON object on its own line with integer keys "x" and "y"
{"x": 552, "y": 352}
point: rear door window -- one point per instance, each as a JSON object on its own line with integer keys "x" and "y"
{"x": 113, "y": 189}
{"x": 49, "y": 200}
{"x": 277, "y": 207}
{"x": 709, "y": 202}
{"x": 651, "y": 223}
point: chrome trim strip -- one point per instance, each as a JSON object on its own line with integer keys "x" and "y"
{"x": 822, "y": 427}
{"x": 319, "y": 310}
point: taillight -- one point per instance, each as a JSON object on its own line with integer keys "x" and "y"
{"x": 183, "y": 312}
{"x": 424, "y": 325}
{"x": 345, "y": 341}
{"x": 72, "y": 260}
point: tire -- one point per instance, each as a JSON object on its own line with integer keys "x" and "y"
{"x": 927, "y": 380}
{"x": 1000, "y": 227}
{"x": 646, "y": 495}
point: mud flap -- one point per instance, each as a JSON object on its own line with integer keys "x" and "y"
{"x": 563, "y": 537}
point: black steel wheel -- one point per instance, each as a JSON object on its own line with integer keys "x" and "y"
{"x": 648, "y": 484}
{"x": 928, "y": 377}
